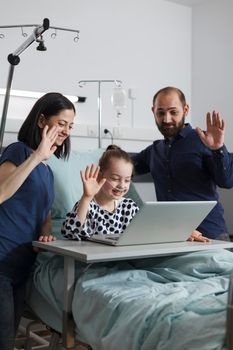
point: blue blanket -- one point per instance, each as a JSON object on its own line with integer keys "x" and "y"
{"x": 164, "y": 303}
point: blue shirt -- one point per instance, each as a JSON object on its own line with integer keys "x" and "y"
{"x": 22, "y": 215}
{"x": 184, "y": 169}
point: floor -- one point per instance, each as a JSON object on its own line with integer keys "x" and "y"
{"x": 33, "y": 335}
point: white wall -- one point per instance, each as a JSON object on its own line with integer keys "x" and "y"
{"x": 212, "y": 63}
{"x": 212, "y": 73}
{"x": 146, "y": 44}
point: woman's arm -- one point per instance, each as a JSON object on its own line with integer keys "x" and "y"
{"x": 12, "y": 177}
{"x": 46, "y": 230}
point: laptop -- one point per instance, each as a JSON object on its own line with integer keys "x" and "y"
{"x": 160, "y": 222}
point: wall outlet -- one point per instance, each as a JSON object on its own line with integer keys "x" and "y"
{"x": 116, "y": 133}
{"x": 132, "y": 93}
{"x": 91, "y": 131}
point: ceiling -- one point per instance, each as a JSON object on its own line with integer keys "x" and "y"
{"x": 189, "y": 2}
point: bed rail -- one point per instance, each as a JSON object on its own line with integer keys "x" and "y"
{"x": 229, "y": 325}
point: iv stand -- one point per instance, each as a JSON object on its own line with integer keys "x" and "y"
{"x": 99, "y": 102}
{"x": 14, "y": 60}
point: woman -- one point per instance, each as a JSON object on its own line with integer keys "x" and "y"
{"x": 26, "y": 215}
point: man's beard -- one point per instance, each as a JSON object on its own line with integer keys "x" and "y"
{"x": 173, "y": 131}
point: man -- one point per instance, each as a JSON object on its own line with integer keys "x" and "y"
{"x": 188, "y": 163}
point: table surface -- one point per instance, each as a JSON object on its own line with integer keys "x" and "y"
{"x": 95, "y": 252}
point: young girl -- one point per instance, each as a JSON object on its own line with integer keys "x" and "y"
{"x": 103, "y": 209}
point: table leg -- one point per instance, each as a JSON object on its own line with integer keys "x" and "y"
{"x": 68, "y": 336}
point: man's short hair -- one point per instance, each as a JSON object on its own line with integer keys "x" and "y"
{"x": 169, "y": 89}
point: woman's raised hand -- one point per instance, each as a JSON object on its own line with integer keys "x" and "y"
{"x": 47, "y": 145}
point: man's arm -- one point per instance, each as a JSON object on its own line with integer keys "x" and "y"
{"x": 140, "y": 163}
{"x": 221, "y": 163}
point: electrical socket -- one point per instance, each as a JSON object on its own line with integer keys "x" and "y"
{"x": 116, "y": 133}
{"x": 91, "y": 131}
{"x": 132, "y": 93}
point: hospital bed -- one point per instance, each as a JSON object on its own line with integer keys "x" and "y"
{"x": 177, "y": 302}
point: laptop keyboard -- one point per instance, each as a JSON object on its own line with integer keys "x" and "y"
{"x": 112, "y": 237}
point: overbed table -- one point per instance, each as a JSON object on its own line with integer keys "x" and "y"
{"x": 90, "y": 252}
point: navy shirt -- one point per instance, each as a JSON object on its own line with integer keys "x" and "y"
{"x": 22, "y": 215}
{"x": 184, "y": 169}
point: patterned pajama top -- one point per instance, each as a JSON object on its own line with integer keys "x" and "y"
{"x": 99, "y": 220}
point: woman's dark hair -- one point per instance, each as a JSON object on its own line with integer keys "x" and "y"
{"x": 113, "y": 151}
{"x": 171, "y": 89}
{"x": 48, "y": 105}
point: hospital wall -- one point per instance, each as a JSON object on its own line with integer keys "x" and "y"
{"x": 212, "y": 63}
{"x": 146, "y": 44}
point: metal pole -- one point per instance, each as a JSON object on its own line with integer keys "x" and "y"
{"x": 99, "y": 102}
{"x": 14, "y": 59}
{"x": 5, "y": 105}
{"x": 99, "y": 114}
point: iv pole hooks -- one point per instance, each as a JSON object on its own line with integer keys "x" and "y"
{"x": 81, "y": 83}
{"x": 14, "y": 59}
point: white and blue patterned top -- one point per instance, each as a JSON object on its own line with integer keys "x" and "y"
{"x": 99, "y": 220}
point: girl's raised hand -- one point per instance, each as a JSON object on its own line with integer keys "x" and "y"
{"x": 91, "y": 183}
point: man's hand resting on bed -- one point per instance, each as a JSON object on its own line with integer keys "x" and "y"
{"x": 197, "y": 236}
